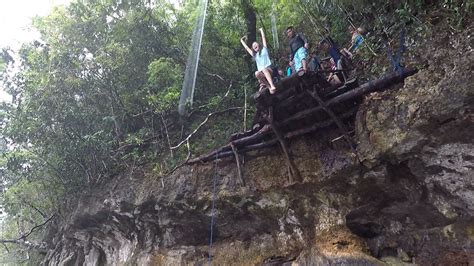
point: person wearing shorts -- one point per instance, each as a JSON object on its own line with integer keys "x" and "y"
{"x": 299, "y": 46}
{"x": 262, "y": 59}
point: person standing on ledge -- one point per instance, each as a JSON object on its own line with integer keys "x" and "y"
{"x": 357, "y": 38}
{"x": 299, "y": 48}
{"x": 262, "y": 58}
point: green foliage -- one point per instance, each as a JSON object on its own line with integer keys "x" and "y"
{"x": 164, "y": 84}
{"x": 462, "y": 11}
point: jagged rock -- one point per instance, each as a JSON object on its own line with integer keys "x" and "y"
{"x": 433, "y": 106}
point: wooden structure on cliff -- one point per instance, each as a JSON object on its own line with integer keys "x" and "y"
{"x": 302, "y": 104}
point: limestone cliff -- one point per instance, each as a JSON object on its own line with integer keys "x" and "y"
{"x": 406, "y": 198}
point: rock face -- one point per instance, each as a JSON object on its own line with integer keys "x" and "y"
{"x": 406, "y": 198}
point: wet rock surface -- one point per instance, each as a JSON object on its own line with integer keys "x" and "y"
{"x": 409, "y": 200}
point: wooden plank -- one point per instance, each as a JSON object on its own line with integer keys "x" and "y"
{"x": 254, "y": 141}
{"x": 333, "y": 116}
{"x": 294, "y": 174}
{"x": 271, "y": 142}
{"x": 368, "y": 87}
{"x": 237, "y": 160}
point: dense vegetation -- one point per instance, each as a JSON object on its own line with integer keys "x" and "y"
{"x": 98, "y": 94}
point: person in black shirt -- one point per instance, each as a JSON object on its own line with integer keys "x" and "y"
{"x": 299, "y": 46}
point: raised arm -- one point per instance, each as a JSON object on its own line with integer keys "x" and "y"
{"x": 242, "y": 40}
{"x": 264, "y": 41}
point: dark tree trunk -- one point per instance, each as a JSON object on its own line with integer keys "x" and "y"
{"x": 251, "y": 26}
{"x": 250, "y": 21}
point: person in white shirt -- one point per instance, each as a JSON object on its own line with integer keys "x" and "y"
{"x": 262, "y": 58}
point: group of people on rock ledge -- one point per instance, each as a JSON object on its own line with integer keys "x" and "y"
{"x": 299, "y": 60}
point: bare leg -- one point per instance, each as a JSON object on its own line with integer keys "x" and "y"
{"x": 262, "y": 80}
{"x": 267, "y": 74}
{"x": 303, "y": 63}
{"x": 346, "y": 53}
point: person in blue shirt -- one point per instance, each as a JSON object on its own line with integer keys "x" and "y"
{"x": 290, "y": 68}
{"x": 299, "y": 46}
{"x": 357, "y": 38}
{"x": 262, "y": 58}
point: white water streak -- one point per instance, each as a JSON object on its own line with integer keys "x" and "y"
{"x": 189, "y": 83}
{"x": 276, "y": 43}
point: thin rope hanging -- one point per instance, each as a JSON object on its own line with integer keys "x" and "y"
{"x": 213, "y": 208}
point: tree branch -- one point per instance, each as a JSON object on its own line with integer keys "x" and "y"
{"x": 23, "y": 242}
{"x": 215, "y": 75}
{"x": 31, "y": 205}
{"x": 36, "y": 227}
{"x": 6, "y": 248}
{"x": 38, "y": 247}
{"x": 167, "y": 134}
{"x": 202, "y": 124}
{"x": 218, "y": 103}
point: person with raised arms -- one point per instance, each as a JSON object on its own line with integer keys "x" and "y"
{"x": 262, "y": 58}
